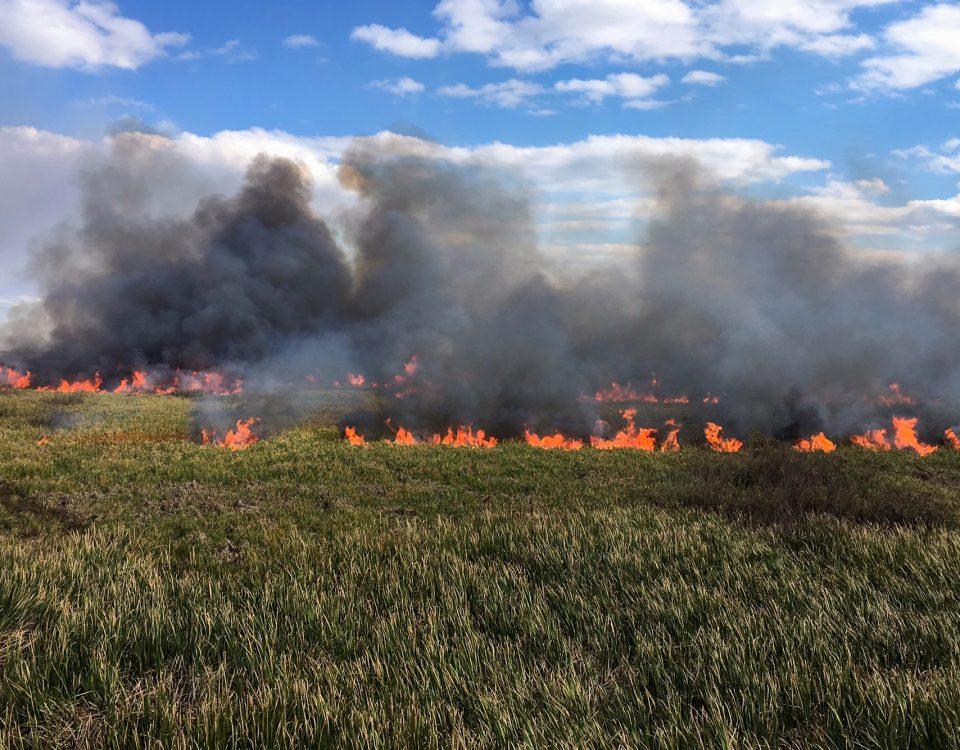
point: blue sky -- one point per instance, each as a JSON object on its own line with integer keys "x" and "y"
{"x": 868, "y": 89}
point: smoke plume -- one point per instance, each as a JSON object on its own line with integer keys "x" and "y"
{"x": 434, "y": 285}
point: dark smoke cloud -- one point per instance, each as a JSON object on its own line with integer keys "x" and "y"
{"x": 227, "y": 285}
{"x": 757, "y": 302}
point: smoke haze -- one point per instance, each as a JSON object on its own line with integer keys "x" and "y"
{"x": 756, "y": 302}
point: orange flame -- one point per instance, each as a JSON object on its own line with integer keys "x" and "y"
{"x": 236, "y": 439}
{"x": 875, "y": 440}
{"x": 953, "y": 439}
{"x": 896, "y": 397}
{"x": 819, "y": 442}
{"x": 14, "y": 379}
{"x": 618, "y": 393}
{"x": 356, "y": 381}
{"x": 557, "y": 440}
{"x": 642, "y": 438}
{"x": 404, "y": 437}
{"x": 352, "y": 437}
{"x": 465, "y": 437}
{"x": 138, "y": 384}
{"x": 671, "y": 443}
{"x": 214, "y": 383}
{"x": 904, "y": 437}
{"x": 91, "y": 385}
{"x": 719, "y": 443}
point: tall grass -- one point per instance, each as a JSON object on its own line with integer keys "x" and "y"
{"x": 154, "y": 593}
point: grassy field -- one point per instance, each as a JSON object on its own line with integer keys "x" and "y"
{"x": 158, "y": 593}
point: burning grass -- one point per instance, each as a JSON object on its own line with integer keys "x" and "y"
{"x": 298, "y": 592}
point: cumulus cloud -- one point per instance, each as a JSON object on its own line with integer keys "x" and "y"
{"x": 80, "y": 35}
{"x": 703, "y": 78}
{"x": 399, "y": 86}
{"x": 296, "y": 41}
{"x": 554, "y": 32}
{"x": 396, "y": 41}
{"x": 919, "y": 50}
{"x": 809, "y": 25}
{"x": 37, "y": 191}
{"x": 916, "y": 223}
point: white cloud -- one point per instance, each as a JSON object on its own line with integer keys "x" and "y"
{"x": 396, "y": 41}
{"x": 703, "y": 78}
{"x": 80, "y": 35}
{"x": 507, "y": 94}
{"x": 552, "y": 32}
{"x": 234, "y": 51}
{"x": 399, "y": 86}
{"x": 944, "y": 160}
{"x": 37, "y": 191}
{"x": 648, "y": 104}
{"x": 111, "y": 100}
{"x": 628, "y": 86}
{"x": 837, "y": 45}
{"x": 921, "y": 49}
{"x": 808, "y": 25}
{"x": 917, "y": 222}
{"x": 296, "y": 41}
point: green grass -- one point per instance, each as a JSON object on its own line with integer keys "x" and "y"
{"x": 157, "y": 593}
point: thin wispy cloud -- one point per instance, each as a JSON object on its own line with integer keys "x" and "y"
{"x": 703, "y": 78}
{"x": 405, "y": 86}
{"x": 299, "y": 41}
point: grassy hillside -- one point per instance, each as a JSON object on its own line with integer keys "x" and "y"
{"x": 155, "y": 592}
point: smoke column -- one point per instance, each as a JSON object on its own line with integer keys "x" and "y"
{"x": 758, "y": 302}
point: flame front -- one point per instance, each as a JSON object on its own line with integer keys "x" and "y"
{"x": 642, "y": 438}
{"x": 465, "y": 437}
{"x": 14, "y": 379}
{"x": 91, "y": 385}
{"x": 819, "y": 442}
{"x": 404, "y": 437}
{"x": 671, "y": 443}
{"x": 350, "y": 433}
{"x": 138, "y": 384}
{"x": 556, "y": 441}
{"x": 618, "y": 393}
{"x": 953, "y": 439}
{"x": 904, "y": 438}
{"x": 875, "y": 440}
{"x": 719, "y": 443}
{"x": 239, "y": 438}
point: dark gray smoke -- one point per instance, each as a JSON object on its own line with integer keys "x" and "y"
{"x": 227, "y": 285}
{"x": 758, "y": 303}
